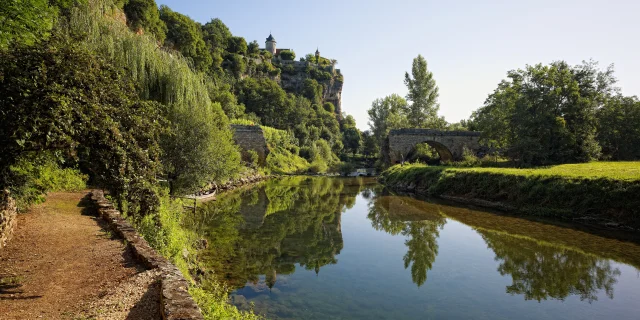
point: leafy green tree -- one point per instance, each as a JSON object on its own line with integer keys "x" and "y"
{"x": 83, "y": 107}
{"x": 288, "y": 55}
{"x": 385, "y": 114}
{"x": 329, "y": 107}
{"x": 237, "y": 45}
{"x": 369, "y": 144}
{"x": 144, "y": 14}
{"x": 312, "y": 90}
{"x": 352, "y": 140}
{"x": 216, "y": 35}
{"x": 25, "y": 21}
{"x": 423, "y": 95}
{"x": 547, "y": 114}
{"x": 253, "y": 47}
{"x": 185, "y": 36}
{"x": 619, "y": 128}
{"x": 196, "y": 150}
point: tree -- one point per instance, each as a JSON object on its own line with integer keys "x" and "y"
{"x": 386, "y": 114}
{"x": 352, "y": 140}
{"x": 547, "y": 114}
{"x": 288, "y": 55}
{"x": 25, "y": 21}
{"x": 369, "y": 144}
{"x": 185, "y": 36}
{"x": 144, "y": 14}
{"x": 80, "y": 106}
{"x": 253, "y": 47}
{"x": 216, "y": 35}
{"x": 423, "y": 95}
{"x": 619, "y": 128}
{"x": 237, "y": 45}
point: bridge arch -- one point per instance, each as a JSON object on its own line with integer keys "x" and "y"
{"x": 449, "y": 144}
{"x": 444, "y": 153}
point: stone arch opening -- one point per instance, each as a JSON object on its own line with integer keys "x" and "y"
{"x": 443, "y": 152}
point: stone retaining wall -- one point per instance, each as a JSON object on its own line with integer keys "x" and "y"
{"x": 8, "y": 217}
{"x": 176, "y": 303}
{"x": 251, "y": 138}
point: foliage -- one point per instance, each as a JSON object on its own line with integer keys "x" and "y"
{"x": 38, "y": 174}
{"x": 547, "y": 114}
{"x": 369, "y": 144}
{"x": 618, "y": 129}
{"x": 253, "y": 48}
{"x": 185, "y": 36}
{"x": 322, "y": 61}
{"x": 237, "y": 45}
{"x": 25, "y": 21}
{"x": 346, "y": 168}
{"x": 84, "y": 108}
{"x": 352, "y": 140}
{"x": 198, "y": 132}
{"x": 387, "y": 114}
{"x": 144, "y": 15}
{"x": 423, "y": 95}
{"x": 287, "y": 55}
{"x": 606, "y": 190}
{"x": 216, "y": 35}
{"x": 329, "y": 107}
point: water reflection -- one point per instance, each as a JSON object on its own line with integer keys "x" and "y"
{"x": 540, "y": 271}
{"x": 394, "y": 215}
{"x": 269, "y": 229}
{"x": 259, "y": 237}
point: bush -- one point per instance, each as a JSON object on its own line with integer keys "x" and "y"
{"x": 288, "y": 55}
{"x": 35, "y": 176}
{"x": 318, "y": 166}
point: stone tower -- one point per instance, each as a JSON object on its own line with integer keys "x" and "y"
{"x": 270, "y": 44}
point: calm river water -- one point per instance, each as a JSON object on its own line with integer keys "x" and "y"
{"x": 338, "y": 248}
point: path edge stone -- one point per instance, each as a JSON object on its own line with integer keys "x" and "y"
{"x": 176, "y": 302}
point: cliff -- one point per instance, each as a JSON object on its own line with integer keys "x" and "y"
{"x": 295, "y": 72}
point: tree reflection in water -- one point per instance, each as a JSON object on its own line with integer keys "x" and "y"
{"x": 541, "y": 271}
{"x": 397, "y": 215}
{"x": 270, "y": 228}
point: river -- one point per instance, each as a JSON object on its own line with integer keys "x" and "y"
{"x": 345, "y": 248}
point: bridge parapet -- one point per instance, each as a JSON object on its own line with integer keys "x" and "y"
{"x": 449, "y": 144}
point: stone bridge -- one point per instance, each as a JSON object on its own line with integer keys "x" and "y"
{"x": 251, "y": 138}
{"x": 449, "y": 144}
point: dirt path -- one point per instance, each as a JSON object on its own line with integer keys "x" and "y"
{"x": 62, "y": 264}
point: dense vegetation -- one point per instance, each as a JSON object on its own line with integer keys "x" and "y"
{"x": 557, "y": 113}
{"x": 128, "y": 114}
{"x": 127, "y": 95}
{"x": 601, "y": 191}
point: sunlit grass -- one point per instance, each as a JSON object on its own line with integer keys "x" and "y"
{"x": 624, "y": 171}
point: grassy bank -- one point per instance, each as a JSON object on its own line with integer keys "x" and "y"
{"x": 599, "y": 192}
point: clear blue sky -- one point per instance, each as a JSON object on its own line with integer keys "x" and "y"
{"x": 469, "y": 45}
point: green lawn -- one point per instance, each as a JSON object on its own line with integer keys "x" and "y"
{"x": 624, "y": 171}
{"x": 627, "y": 171}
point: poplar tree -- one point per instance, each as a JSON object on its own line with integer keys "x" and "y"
{"x": 423, "y": 95}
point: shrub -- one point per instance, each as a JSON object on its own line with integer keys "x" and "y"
{"x": 288, "y": 55}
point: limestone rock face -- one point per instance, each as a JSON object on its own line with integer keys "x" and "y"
{"x": 295, "y": 72}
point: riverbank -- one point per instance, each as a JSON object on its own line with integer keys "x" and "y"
{"x": 600, "y": 193}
